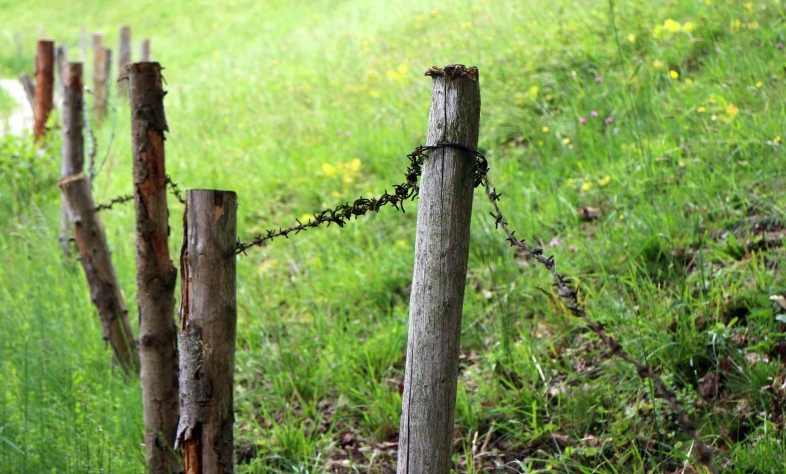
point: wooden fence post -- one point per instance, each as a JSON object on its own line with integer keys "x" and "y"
{"x": 123, "y": 58}
{"x": 144, "y": 51}
{"x": 61, "y": 60}
{"x": 155, "y": 274}
{"x": 441, "y": 253}
{"x": 99, "y": 77}
{"x": 44, "y": 88}
{"x": 73, "y": 145}
{"x": 101, "y": 277}
{"x": 208, "y": 320}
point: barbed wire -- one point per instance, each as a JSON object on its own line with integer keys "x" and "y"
{"x": 174, "y": 189}
{"x": 93, "y": 142}
{"x": 569, "y": 295}
{"x": 118, "y": 200}
{"x": 342, "y": 213}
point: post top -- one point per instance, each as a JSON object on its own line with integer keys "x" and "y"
{"x": 454, "y": 71}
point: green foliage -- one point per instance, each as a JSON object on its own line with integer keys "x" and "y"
{"x": 665, "y": 118}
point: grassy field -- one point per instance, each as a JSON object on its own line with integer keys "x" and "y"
{"x": 637, "y": 142}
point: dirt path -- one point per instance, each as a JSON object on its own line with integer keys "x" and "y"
{"x": 20, "y": 120}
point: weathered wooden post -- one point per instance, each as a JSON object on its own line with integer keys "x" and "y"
{"x": 61, "y": 61}
{"x": 44, "y": 88}
{"x": 441, "y": 253}
{"x": 99, "y": 77}
{"x": 73, "y": 145}
{"x": 155, "y": 274}
{"x": 144, "y": 51}
{"x": 123, "y": 58}
{"x": 101, "y": 277}
{"x": 208, "y": 320}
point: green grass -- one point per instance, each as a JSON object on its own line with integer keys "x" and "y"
{"x": 276, "y": 100}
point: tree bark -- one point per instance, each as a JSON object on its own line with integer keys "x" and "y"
{"x": 44, "y": 89}
{"x": 208, "y": 320}
{"x": 155, "y": 274}
{"x": 441, "y": 253}
{"x": 73, "y": 145}
{"x": 101, "y": 277}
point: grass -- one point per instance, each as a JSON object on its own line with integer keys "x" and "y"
{"x": 301, "y": 105}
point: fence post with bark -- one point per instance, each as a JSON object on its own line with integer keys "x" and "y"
{"x": 44, "y": 88}
{"x": 155, "y": 274}
{"x": 73, "y": 142}
{"x": 441, "y": 254}
{"x": 101, "y": 277}
{"x": 208, "y": 320}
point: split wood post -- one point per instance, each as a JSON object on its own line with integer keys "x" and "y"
{"x": 61, "y": 60}
{"x": 123, "y": 58}
{"x": 155, "y": 274}
{"x": 99, "y": 77}
{"x": 208, "y": 320}
{"x": 44, "y": 89}
{"x": 144, "y": 51}
{"x": 101, "y": 277}
{"x": 441, "y": 253}
{"x": 73, "y": 145}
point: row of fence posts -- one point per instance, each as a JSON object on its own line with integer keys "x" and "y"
{"x": 40, "y": 92}
{"x": 187, "y": 376}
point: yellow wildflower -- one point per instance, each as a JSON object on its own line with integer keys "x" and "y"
{"x": 759, "y": 84}
{"x": 777, "y": 139}
{"x": 604, "y": 181}
{"x": 586, "y": 185}
{"x": 631, "y": 38}
{"x": 732, "y": 110}
{"x": 545, "y": 129}
{"x": 566, "y": 141}
{"x": 672, "y": 26}
{"x": 658, "y": 65}
{"x": 688, "y": 27}
{"x": 701, "y": 110}
{"x": 674, "y": 74}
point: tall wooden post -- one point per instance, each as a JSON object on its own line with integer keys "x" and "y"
{"x": 99, "y": 77}
{"x": 144, "y": 51}
{"x": 97, "y": 264}
{"x": 441, "y": 253}
{"x": 208, "y": 320}
{"x": 73, "y": 145}
{"x": 44, "y": 88}
{"x": 123, "y": 58}
{"x": 155, "y": 274}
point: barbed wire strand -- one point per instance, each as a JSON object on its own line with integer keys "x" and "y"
{"x": 570, "y": 298}
{"x": 93, "y": 144}
{"x": 409, "y": 190}
{"x": 174, "y": 189}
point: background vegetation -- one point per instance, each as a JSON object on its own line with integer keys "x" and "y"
{"x": 638, "y": 142}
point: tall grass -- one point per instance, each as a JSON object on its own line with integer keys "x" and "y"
{"x": 667, "y": 117}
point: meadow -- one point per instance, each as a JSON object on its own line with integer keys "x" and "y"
{"x": 637, "y": 142}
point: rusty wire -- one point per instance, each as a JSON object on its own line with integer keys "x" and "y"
{"x": 174, "y": 189}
